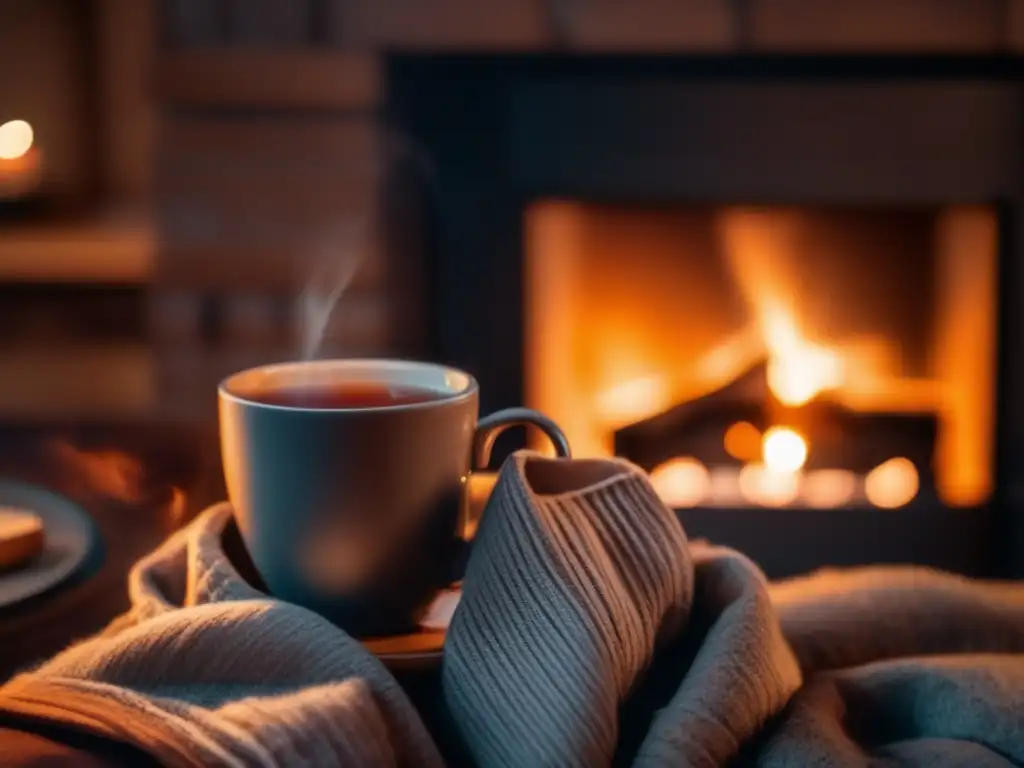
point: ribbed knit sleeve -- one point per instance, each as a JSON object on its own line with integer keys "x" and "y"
{"x": 575, "y": 577}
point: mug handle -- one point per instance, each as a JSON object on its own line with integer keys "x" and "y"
{"x": 489, "y": 428}
{"x": 480, "y": 482}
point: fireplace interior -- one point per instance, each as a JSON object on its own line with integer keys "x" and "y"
{"x": 784, "y": 287}
{"x": 772, "y": 356}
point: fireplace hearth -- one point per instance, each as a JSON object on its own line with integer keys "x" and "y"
{"x": 785, "y": 287}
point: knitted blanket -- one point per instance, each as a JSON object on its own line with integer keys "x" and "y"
{"x": 590, "y": 633}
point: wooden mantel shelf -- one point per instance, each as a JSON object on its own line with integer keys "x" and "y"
{"x": 267, "y": 78}
{"x": 107, "y": 248}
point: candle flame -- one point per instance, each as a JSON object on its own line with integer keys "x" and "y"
{"x": 16, "y": 138}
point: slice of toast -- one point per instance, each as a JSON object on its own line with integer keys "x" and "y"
{"x": 22, "y": 537}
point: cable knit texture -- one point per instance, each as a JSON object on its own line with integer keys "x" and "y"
{"x": 590, "y": 633}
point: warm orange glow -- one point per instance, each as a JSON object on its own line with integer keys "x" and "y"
{"x": 104, "y": 472}
{"x": 724, "y": 488}
{"x": 783, "y": 450}
{"x": 759, "y": 246}
{"x": 826, "y": 488}
{"x": 478, "y": 488}
{"x": 604, "y": 308}
{"x": 109, "y": 474}
{"x": 16, "y": 137}
{"x": 628, "y": 313}
{"x": 632, "y": 400}
{"x": 967, "y": 244}
{"x": 766, "y": 487}
{"x": 892, "y": 483}
{"x": 797, "y": 370}
{"x": 681, "y": 482}
{"x": 728, "y": 359}
{"x": 177, "y": 507}
{"x": 743, "y": 441}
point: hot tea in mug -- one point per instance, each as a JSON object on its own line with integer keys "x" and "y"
{"x": 348, "y": 480}
{"x": 348, "y": 395}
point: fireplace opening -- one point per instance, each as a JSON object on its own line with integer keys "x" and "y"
{"x": 777, "y": 284}
{"x": 781, "y": 356}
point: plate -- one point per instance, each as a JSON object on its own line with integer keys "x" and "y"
{"x": 71, "y": 537}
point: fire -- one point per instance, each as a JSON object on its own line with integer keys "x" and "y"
{"x": 829, "y": 488}
{"x": 742, "y": 441}
{"x": 632, "y": 313}
{"x": 681, "y": 482}
{"x": 759, "y": 246}
{"x": 783, "y": 450}
{"x": 798, "y": 371}
{"x": 775, "y": 482}
{"x": 768, "y": 487}
{"x": 892, "y": 483}
{"x": 632, "y": 400}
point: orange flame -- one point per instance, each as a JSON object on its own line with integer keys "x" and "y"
{"x": 681, "y": 482}
{"x": 784, "y": 450}
{"x": 798, "y": 371}
{"x": 768, "y": 488}
{"x": 892, "y": 483}
{"x": 610, "y": 342}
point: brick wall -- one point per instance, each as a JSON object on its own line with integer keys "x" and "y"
{"x": 268, "y": 137}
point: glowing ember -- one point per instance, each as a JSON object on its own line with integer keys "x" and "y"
{"x": 681, "y": 482}
{"x": 892, "y": 483}
{"x": 743, "y": 441}
{"x": 783, "y": 450}
{"x": 724, "y": 487}
{"x": 826, "y": 488}
{"x": 766, "y": 487}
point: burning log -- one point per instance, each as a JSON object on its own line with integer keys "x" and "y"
{"x": 836, "y": 436}
{"x": 697, "y": 428}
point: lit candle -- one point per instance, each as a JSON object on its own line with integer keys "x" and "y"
{"x": 21, "y": 164}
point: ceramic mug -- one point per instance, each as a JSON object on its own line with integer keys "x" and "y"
{"x": 356, "y": 507}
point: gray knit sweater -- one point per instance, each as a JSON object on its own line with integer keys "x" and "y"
{"x": 589, "y": 633}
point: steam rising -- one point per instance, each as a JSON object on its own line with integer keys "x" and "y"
{"x": 343, "y": 249}
{"x": 337, "y": 258}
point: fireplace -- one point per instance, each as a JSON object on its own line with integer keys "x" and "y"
{"x": 786, "y": 287}
{"x": 773, "y": 356}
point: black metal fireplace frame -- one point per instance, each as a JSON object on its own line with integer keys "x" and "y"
{"x": 500, "y": 131}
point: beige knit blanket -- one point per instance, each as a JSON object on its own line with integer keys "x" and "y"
{"x": 590, "y": 633}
